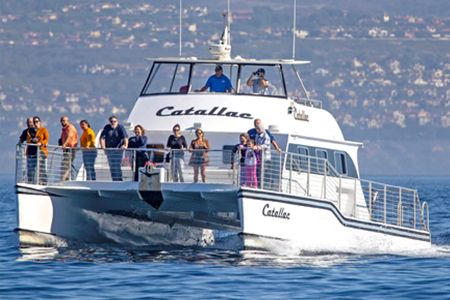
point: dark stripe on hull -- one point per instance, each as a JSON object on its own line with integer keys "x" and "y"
{"x": 25, "y": 190}
{"x": 345, "y": 221}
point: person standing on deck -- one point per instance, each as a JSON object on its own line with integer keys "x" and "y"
{"x": 199, "y": 158}
{"x": 87, "y": 144}
{"x": 41, "y": 141}
{"x": 176, "y": 144}
{"x": 69, "y": 141}
{"x": 30, "y": 152}
{"x": 139, "y": 140}
{"x": 272, "y": 178}
{"x": 114, "y": 140}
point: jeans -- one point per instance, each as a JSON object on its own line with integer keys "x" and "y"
{"x": 89, "y": 157}
{"x": 67, "y": 165}
{"x": 31, "y": 168}
{"x": 42, "y": 167}
{"x": 177, "y": 169}
{"x": 114, "y": 161}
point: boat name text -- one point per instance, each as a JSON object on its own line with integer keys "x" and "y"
{"x": 170, "y": 111}
{"x": 301, "y": 116}
{"x": 275, "y": 212}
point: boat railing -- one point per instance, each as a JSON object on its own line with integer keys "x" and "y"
{"x": 308, "y": 102}
{"x": 355, "y": 197}
{"x": 282, "y": 172}
{"x": 57, "y": 165}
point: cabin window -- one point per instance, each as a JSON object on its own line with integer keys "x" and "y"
{"x": 322, "y": 156}
{"x": 297, "y": 159}
{"x": 168, "y": 78}
{"x": 303, "y": 158}
{"x": 272, "y": 74}
{"x": 340, "y": 162}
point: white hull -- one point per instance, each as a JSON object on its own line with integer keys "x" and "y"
{"x": 317, "y": 225}
{"x": 200, "y": 214}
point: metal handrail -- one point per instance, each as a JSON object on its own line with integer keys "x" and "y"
{"x": 308, "y": 102}
{"x": 316, "y": 177}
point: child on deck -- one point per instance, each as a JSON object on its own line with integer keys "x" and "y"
{"x": 250, "y": 163}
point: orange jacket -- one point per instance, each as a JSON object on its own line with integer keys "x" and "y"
{"x": 43, "y": 136}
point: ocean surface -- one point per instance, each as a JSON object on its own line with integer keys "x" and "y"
{"x": 113, "y": 272}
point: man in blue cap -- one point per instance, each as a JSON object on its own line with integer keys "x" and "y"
{"x": 218, "y": 82}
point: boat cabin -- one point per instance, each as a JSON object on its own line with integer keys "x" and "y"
{"x": 184, "y": 76}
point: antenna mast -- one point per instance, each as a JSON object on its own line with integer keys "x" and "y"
{"x": 229, "y": 20}
{"x": 180, "y": 40}
{"x": 222, "y": 50}
{"x": 293, "y": 29}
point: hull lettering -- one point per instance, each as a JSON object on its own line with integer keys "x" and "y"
{"x": 275, "y": 212}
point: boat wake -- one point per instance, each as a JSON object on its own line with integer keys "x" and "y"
{"x": 138, "y": 240}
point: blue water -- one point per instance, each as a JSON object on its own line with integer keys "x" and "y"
{"x": 112, "y": 272}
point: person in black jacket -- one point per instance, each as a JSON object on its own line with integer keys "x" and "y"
{"x": 136, "y": 142}
{"x": 177, "y": 144}
{"x": 27, "y": 136}
{"x": 114, "y": 139}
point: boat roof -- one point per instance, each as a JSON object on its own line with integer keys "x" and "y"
{"x": 236, "y": 60}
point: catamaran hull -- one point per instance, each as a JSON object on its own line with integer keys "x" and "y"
{"x": 126, "y": 216}
{"x": 201, "y": 216}
{"x": 317, "y": 225}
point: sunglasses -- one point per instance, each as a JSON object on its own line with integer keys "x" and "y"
{"x": 36, "y": 121}
{"x": 113, "y": 121}
{"x": 199, "y": 132}
{"x": 176, "y": 129}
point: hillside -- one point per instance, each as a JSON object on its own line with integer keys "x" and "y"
{"x": 381, "y": 68}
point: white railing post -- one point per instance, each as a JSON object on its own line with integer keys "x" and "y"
{"x": 385, "y": 204}
{"x": 280, "y": 170}
{"x": 307, "y": 177}
{"x": 400, "y": 208}
{"x": 262, "y": 170}
{"x": 425, "y": 225}
{"x": 414, "y": 208}
{"x": 370, "y": 200}
{"x": 38, "y": 166}
{"x": 290, "y": 173}
{"x": 324, "y": 179}
{"x": 340, "y": 192}
{"x": 18, "y": 154}
{"x": 354, "y": 198}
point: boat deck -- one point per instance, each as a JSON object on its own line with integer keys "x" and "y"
{"x": 285, "y": 173}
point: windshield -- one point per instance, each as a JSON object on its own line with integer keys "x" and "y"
{"x": 235, "y": 78}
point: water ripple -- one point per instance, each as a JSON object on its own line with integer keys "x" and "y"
{"x": 66, "y": 269}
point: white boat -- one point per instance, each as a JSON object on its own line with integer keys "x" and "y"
{"x": 311, "y": 195}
